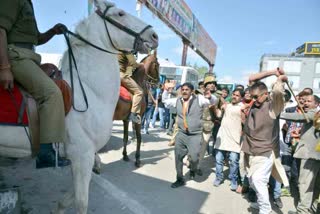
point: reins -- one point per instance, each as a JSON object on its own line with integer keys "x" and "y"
{"x": 150, "y": 79}
{"x": 138, "y": 41}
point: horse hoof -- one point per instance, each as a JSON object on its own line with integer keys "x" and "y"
{"x": 137, "y": 164}
{"x": 126, "y": 158}
{"x": 96, "y": 170}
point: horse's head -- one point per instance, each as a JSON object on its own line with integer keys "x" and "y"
{"x": 125, "y": 32}
{"x": 151, "y": 66}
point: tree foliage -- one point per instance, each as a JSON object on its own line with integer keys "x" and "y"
{"x": 202, "y": 70}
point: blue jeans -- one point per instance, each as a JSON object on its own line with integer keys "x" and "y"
{"x": 162, "y": 117}
{"x": 159, "y": 111}
{"x": 289, "y": 163}
{"x": 234, "y": 165}
{"x": 146, "y": 118}
{"x": 276, "y": 186}
{"x": 171, "y": 122}
{"x": 166, "y": 118}
{"x": 154, "y": 116}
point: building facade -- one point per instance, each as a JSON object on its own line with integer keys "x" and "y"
{"x": 302, "y": 69}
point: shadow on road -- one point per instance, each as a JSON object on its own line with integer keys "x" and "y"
{"x": 153, "y": 193}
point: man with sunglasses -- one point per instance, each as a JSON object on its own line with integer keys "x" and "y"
{"x": 261, "y": 134}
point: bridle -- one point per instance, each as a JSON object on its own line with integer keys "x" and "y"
{"x": 150, "y": 79}
{"x": 138, "y": 41}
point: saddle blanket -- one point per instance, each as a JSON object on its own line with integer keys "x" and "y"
{"x": 12, "y": 112}
{"x": 125, "y": 94}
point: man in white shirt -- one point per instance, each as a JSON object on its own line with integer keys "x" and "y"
{"x": 189, "y": 119}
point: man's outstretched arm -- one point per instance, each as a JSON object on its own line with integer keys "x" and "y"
{"x": 263, "y": 74}
{"x": 55, "y": 30}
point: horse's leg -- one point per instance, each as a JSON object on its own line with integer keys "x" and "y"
{"x": 134, "y": 136}
{"x": 138, "y": 134}
{"x": 97, "y": 164}
{"x": 81, "y": 170}
{"x": 65, "y": 203}
{"x": 125, "y": 139}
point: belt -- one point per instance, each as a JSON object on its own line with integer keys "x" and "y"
{"x": 25, "y": 45}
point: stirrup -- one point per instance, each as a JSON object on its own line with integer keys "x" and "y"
{"x": 55, "y": 147}
{"x": 135, "y": 118}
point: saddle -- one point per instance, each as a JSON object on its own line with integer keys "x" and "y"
{"x": 18, "y": 108}
{"x": 125, "y": 95}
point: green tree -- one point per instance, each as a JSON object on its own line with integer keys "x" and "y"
{"x": 202, "y": 70}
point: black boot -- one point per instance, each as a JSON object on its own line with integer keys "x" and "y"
{"x": 47, "y": 157}
{"x": 178, "y": 183}
{"x": 192, "y": 175}
{"x": 199, "y": 172}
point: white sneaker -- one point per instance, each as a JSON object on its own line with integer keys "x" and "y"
{"x": 151, "y": 126}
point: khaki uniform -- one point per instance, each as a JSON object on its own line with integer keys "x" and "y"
{"x": 128, "y": 64}
{"x": 210, "y": 128}
{"x": 208, "y": 125}
{"x": 17, "y": 18}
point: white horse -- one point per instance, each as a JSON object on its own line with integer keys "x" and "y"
{"x": 111, "y": 29}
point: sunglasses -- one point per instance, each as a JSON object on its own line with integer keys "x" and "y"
{"x": 257, "y": 96}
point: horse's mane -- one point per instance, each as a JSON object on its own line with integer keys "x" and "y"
{"x": 81, "y": 28}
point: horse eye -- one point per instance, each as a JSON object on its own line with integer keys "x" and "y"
{"x": 121, "y": 13}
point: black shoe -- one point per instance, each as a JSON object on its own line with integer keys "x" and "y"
{"x": 252, "y": 195}
{"x": 178, "y": 183}
{"x": 199, "y": 172}
{"x": 192, "y": 175}
{"x": 278, "y": 203}
{"x": 49, "y": 160}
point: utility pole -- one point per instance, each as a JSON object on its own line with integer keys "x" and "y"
{"x": 184, "y": 52}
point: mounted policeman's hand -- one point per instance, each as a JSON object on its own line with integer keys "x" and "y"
{"x": 6, "y": 78}
{"x": 59, "y": 28}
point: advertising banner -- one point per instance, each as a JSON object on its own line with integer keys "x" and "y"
{"x": 178, "y": 15}
{"x": 312, "y": 48}
{"x": 309, "y": 48}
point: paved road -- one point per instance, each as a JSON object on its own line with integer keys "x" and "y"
{"x": 122, "y": 188}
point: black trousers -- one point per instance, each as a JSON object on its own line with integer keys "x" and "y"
{"x": 187, "y": 144}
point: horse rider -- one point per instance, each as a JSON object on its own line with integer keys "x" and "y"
{"x": 18, "y": 61}
{"x": 128, "y": 65}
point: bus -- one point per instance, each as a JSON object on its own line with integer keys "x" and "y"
{"x": 229, "y": 86}
{"x": 180, "y": 74}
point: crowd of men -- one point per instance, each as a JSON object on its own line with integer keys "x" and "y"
{"x": 269, "y": 140}
{"x": 267, "y": 143}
